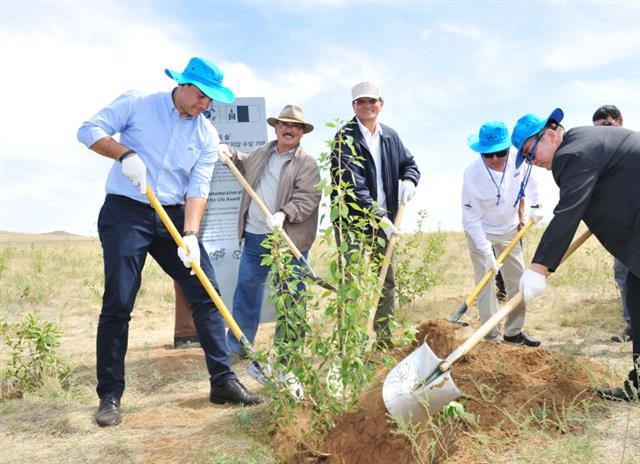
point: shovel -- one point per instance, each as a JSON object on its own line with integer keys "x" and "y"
{"x": 489, "y": 274}
{"x": 421, "y": 384}
{"x": 385, "y": 268}
{"x": 255, "y": 370}
{"x": 265, "y": 210}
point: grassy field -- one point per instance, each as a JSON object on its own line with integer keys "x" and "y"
{"x": 58, "y": 277}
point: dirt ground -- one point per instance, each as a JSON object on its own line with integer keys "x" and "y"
{"x": 502, "y": 384}
{"x": 528, "y": 403}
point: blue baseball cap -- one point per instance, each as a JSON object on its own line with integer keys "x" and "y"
{"x": 492, "y": 137}
{"x": 528, "y": 126}
{"x": 206, "y": 76}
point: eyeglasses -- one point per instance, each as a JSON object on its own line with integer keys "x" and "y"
{"x": 364, "y": 101}
{"x": 532, "y": 153}
{"x": 291, "y": 124}
{"x": 497, "y": 154}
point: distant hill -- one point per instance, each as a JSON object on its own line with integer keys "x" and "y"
{"x": 57, "y": 235}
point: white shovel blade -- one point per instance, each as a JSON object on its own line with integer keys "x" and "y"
{"x": 404, "y": 393}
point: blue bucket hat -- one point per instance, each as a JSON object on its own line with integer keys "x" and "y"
{"x": 206, "y": 76}
{"x": 528, "y": 126}
{"x": 492, "y": 137}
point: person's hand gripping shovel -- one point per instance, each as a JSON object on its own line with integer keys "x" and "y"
{"x": 490, "y": 273}
{"x": 224, "y": 157}
{"x": 254, "y": 369}
{"x": 421, "y": 384}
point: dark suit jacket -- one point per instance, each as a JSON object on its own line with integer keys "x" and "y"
{"x": 360, "y": 174}
{"x": 598, "y": 172}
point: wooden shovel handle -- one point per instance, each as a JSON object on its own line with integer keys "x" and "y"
{"x": 258, "y": 201}
{"x": 385, "y": 267}
{"x": 265, "y": 210}
{"x": 485, "y": 328}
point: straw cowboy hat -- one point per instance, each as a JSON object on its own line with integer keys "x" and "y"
{"x": 291, "y": 113}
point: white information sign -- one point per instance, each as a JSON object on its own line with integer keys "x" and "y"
{"x": 243, "y": 126}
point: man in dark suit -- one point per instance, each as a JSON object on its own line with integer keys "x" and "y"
{"x": 598, "y": 171}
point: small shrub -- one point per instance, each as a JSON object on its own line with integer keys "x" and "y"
{"x": 33, "y": 357}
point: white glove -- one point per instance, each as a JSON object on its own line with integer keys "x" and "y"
{"x": 532, "y": 284}
{"x": 407, "y": 191}
{"x": 388, "y": 228}
{"x": 275, "y": 220}
{"x": 536, "y": 214}
{"x": 134, "y": 169}
{"x": 224, "y": 151}
{"x": 491, "y": 263}
{"x": 193, "y": 255}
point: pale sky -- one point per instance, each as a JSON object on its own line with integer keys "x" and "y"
{"x": 444, "y": 69}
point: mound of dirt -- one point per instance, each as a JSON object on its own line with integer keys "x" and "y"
{"x": 501, "y": 385}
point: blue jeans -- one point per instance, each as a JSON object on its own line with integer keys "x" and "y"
{"x": 620, "y": 272}
{"x": 129, "y": 230}
{"x": 247, "y": 298}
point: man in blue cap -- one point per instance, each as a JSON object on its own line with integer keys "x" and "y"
{"x": 164, "y": 141}
{"x": 491, "y": 197}
{"x": 597, "y": 169}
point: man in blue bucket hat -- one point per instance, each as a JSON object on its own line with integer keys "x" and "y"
{"x": 491, "y": 197}
{"x": 597, "y": 169}
{"x": 165, "y": 141}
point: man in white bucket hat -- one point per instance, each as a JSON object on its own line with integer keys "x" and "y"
{"x": 164, "y": 141}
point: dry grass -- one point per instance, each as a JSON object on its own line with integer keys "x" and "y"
{"x": 167, "y": 415}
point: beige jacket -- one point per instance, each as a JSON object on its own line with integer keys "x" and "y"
{"x": 298, "y": 195}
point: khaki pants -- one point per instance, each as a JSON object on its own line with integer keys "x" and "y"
{"x": 511, "y": 270}
{"x": 184, "y": 319}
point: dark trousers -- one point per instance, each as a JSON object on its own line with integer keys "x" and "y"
{"x": 633, "y": 303}
{"x": 386, "y": 304}
{"x": 129, "y": 230}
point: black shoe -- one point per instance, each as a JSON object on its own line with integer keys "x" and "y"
{"x": 623, "y": 336}
{"x": 522, "y": 338}
{"x": 626, "y": 393}
{"x": 235, "y": 393}
{"x": 501, "y": 295}
{"x": 191, "y": 341}
{"x": 108, "y": 412}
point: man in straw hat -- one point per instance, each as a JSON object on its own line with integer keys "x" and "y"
{"x": 285, "y": 177}
{"x": 164, "y": 141}
{"x": 490, "y": 201}
{"x": 381, "y": 172}
{"x": 597, "y": 169}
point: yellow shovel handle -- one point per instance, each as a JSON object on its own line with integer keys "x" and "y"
{"x": 202, "y": 277}
{"x": 489, "y": 274}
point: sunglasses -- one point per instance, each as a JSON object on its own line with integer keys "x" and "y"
{"x": 497, "y": 154}
{"x": 364, "y": 101}
{"x": 291, "y": 124}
